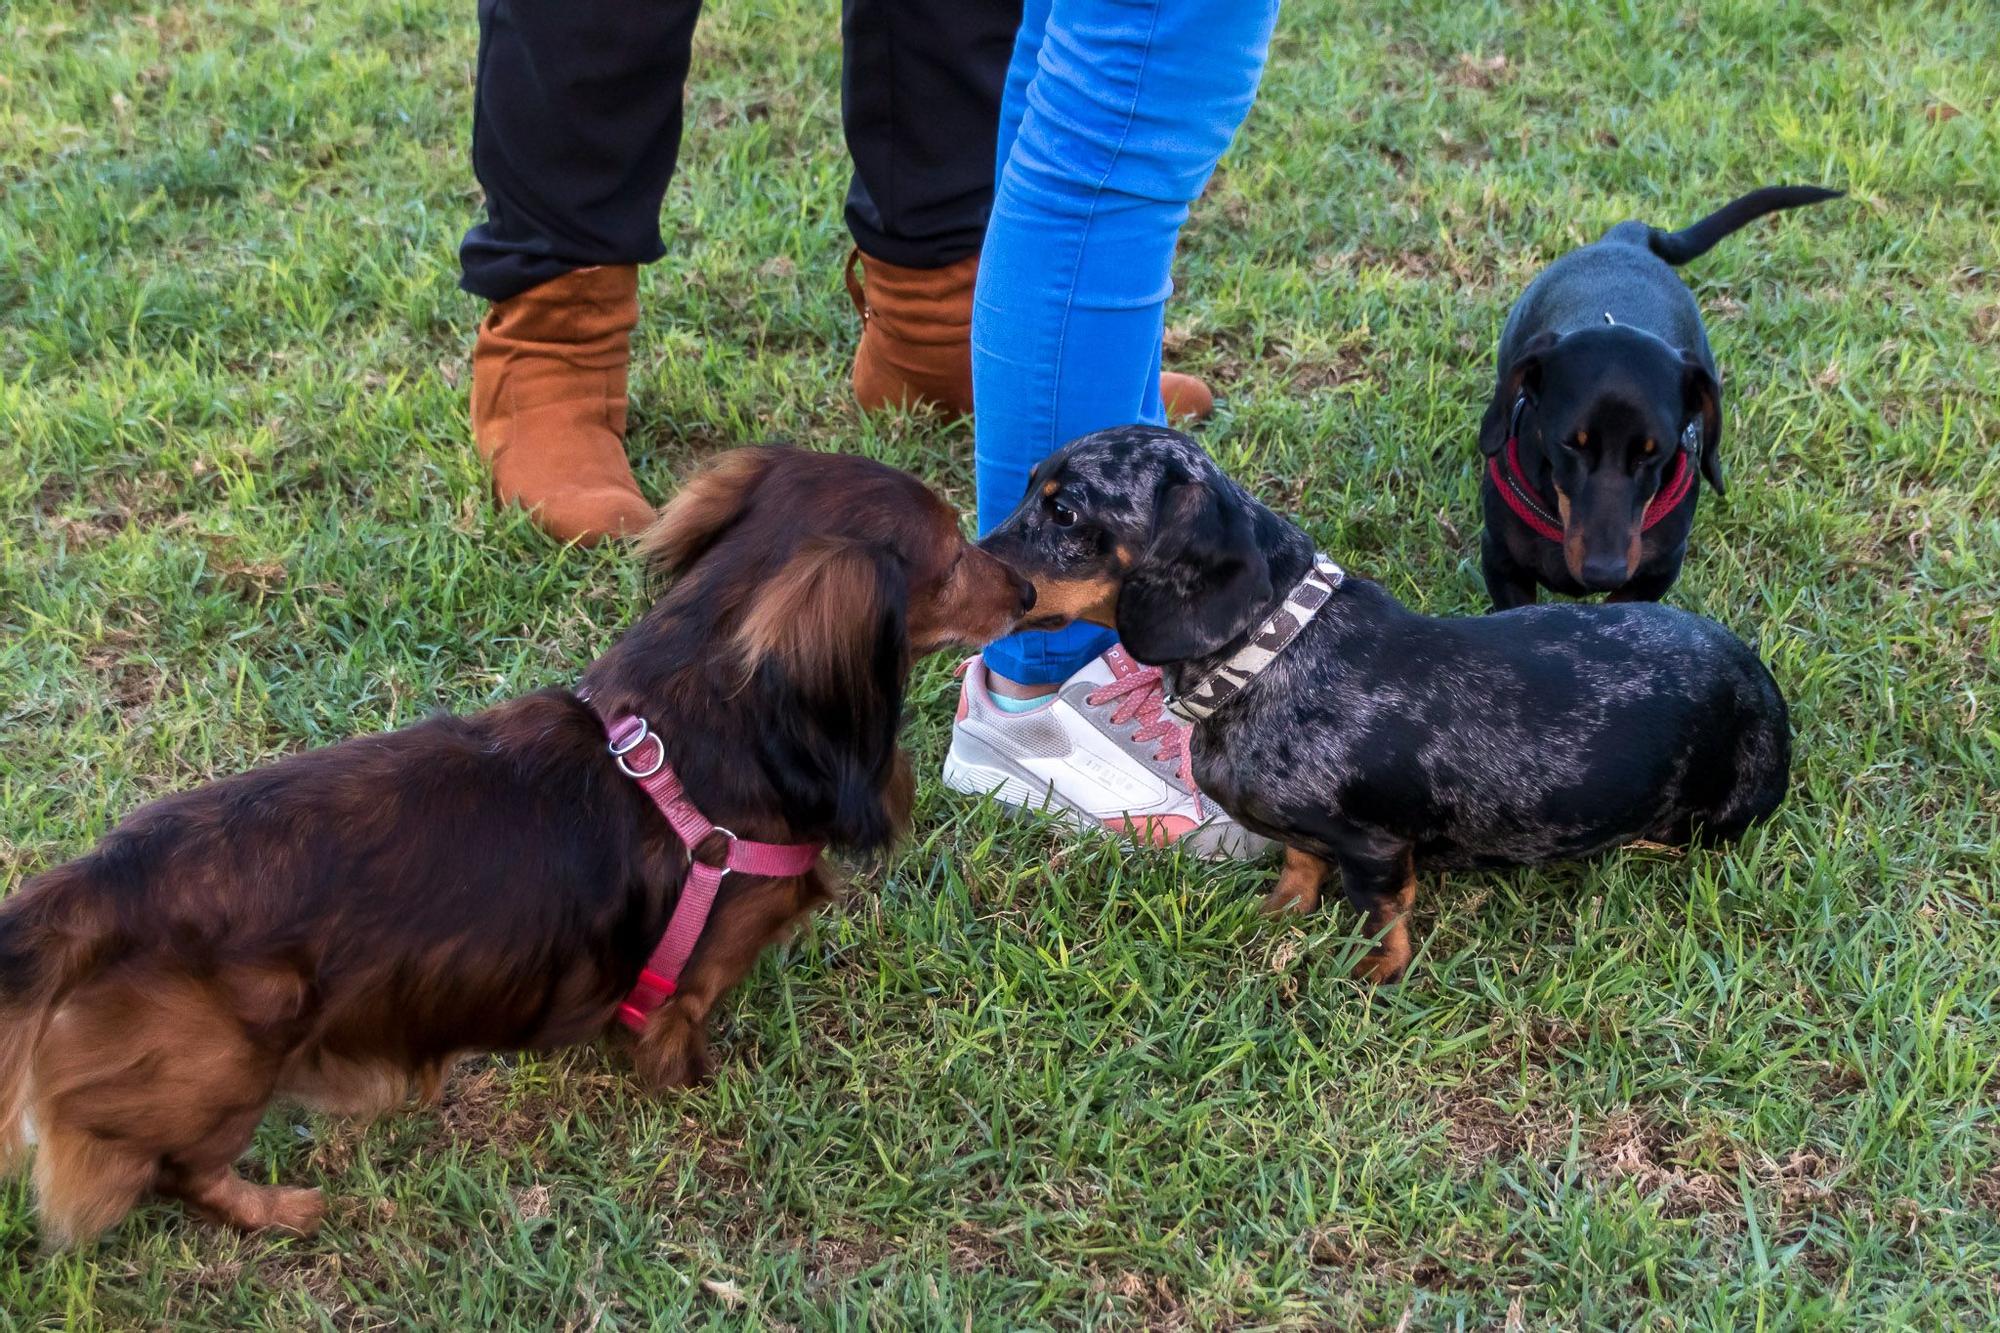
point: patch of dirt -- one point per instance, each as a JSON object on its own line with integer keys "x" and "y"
{"x": 1630, "y": 1147}
{"x": 328, "y": 1278}
{"x": 335, "y": 1140}
{"x": 1345, "y": 364}
{"x": 1472, "y": 70}
{"x": 121, "y": 502}
{"x": 1838, "y": 1079}
{"x": 721, "y": 1159}
{"x": 1151, "y": 1303}
{"x": 531, "y": 1202}
{"x": 1984, "y": 1190}
{"x": 972, "y": 1250}
{"x": 82, "y": 533}
{"x": 50, "y": 496}
{"x": 134, "y": 682}
{"x": 1689, "y": 1174}
{"x": 1986, "y": 324}
{"x": 1468, "y": 1265}
{"x": 841, "y": 1257}
{"x": 1481, "y": 1123}
{"x": 1478, "y": 1128}
{"x": 476, "y": 1107}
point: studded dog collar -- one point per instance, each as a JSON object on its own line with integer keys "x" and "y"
{"x": 1301, "y": 604}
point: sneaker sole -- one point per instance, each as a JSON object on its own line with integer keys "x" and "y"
{"x": 975, "y": 768}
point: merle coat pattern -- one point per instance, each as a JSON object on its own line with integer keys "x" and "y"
{"x": 1382, "y": 740}
{"x": 1605, "y": 369}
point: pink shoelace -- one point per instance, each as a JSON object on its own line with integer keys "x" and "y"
{"x": 1143, "y": 695}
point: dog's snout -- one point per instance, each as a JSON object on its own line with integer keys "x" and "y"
{"x": 1604, "y": 572}
{"x": 1026, "y": 591}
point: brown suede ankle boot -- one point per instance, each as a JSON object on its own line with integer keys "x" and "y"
{"x": 1186, "y": 398}
{"x": 916, "y": 334}
{"x": 916, "y": 341}
{"x": 548, "y": 403}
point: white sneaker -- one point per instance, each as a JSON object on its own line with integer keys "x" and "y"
{"x": 1102, "y": 752}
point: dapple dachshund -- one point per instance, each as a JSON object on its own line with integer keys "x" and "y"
{"x": 1373, "y": 740}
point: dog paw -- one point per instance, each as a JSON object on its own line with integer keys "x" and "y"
{"x": 1288, "y": 898}
{"x": 672, "y": 1052}
{"x": 1381, "y": 967}
{"x": 299, "y": 1211}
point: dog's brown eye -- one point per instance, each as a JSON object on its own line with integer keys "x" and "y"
{"x": 1061, "y": 516}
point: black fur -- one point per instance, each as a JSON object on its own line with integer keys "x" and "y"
{"x": 1200, "y": 543}
{"x": 1644, "y": 374}
{"x": 1380, "y": 735}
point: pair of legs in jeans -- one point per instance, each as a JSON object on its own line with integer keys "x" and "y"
{"x": 1110, "y": 116}
{"x": 1114, "y": 116}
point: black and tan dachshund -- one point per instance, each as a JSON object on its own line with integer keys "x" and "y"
{"x": 1607, "y": 401}
{"x": 1370, "y": 739}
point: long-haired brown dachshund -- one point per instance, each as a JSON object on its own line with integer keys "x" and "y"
{"x": 336, "y": 928}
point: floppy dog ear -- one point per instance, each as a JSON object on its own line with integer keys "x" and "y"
{"x": 825, "y": 644}
{"x": 1524, "y": 377}
{"x": 712, "y": 499}
{"x": 1702, "y": 398}
{"x": 827, "y": 617}
{"x": 1201, "y": 581}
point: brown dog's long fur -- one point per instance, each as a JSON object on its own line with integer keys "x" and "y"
{"x": 335, "y": 929}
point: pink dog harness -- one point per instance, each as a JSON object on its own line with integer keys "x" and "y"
{"x": 661, "y": 974}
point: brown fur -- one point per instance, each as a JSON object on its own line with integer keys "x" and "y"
{"x": 803, "y": 616}
{"x": 709, "y": 503}
{"x": 1298, "y": 886}
{"x": 1060, "y": 601}
{"x": 338, "y": 928}
{"x": 1388, "y": 922}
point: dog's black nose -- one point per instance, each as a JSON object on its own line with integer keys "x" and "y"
{"x": 1603, "y": 573}
{"x": 1027, "y": 595}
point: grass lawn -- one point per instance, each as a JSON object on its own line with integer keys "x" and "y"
{"x": 1024, "y": 1078}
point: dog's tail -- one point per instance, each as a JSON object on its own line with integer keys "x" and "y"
{"x": 52, "y": 936}
{"x": 1677, "y": 247}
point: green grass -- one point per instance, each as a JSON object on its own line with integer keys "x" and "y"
{"x": 1026, "y": 1079}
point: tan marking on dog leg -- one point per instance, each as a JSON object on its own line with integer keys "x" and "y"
{"x": 1298, "y": 884}
{"x": 1388, "y": 921}
{"x": 672, "y": 1050}
{"x": 222, "y": 1195}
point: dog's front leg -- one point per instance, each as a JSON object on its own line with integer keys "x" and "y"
{"x": 1298, "y": 883}
{"x": 1383, "y": 889}
{"x": 673, "y": 1049}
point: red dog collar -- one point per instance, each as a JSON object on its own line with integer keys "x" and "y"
{"x": 629, "y": 736}
{"x": 1519, "y": 492}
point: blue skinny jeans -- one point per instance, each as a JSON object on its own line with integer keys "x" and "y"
{"x": 1114, "y": 115}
